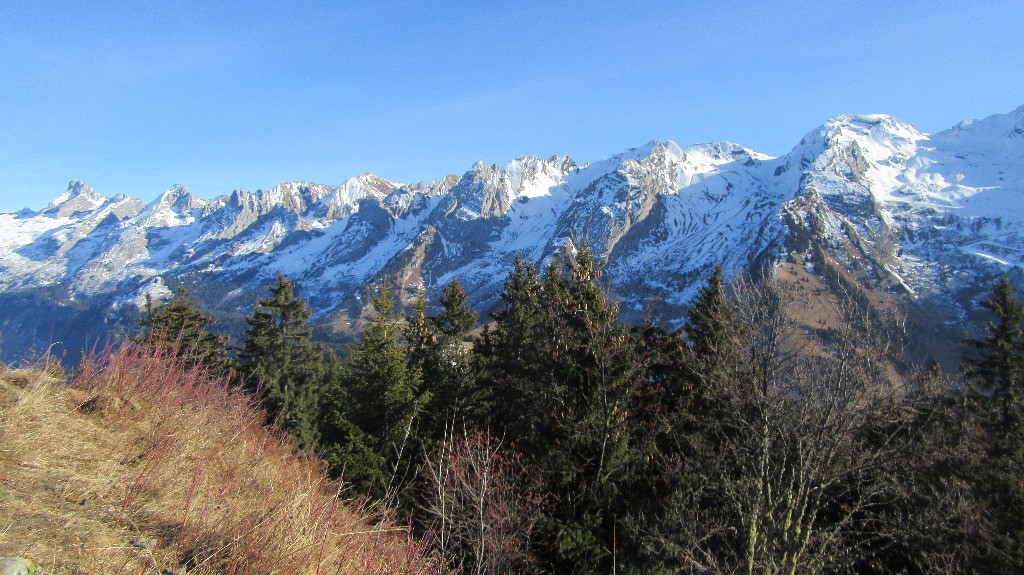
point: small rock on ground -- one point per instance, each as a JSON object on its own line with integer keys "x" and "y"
{"x": 147, "y": 543}
{"x": 17, "y": 566}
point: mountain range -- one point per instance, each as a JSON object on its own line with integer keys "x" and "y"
{"x": 928, "y": 220}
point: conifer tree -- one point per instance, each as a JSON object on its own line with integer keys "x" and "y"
{"x": 518, "y": 319}
{"x": 448, "y": 373}
{"x": 419, "y": 338}
{"x": 349, "y": 451}
{"x": 711, "y": 330}
{"x": 996, "y": 368}
{"x": 280, "y": 363}
{"x": 599, "y": 426}
{"x": 511, "y": 353}
{"x": 456, "y": 318}
{"x": 384, "y": 387}
{"x": 571, "y": 375}
{"x": 997, "y": 364}
{"x": 180, "y": 326}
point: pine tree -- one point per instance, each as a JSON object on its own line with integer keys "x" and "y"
{"x": 571, "y": 375}
{"x": 518, "y": 319}
{"x": 456, "y": 318}
{"x": 599, "y": 426}
{"x": 419, "y": 338}
{"x": 179, "y": 326}
{"x": 280, "y": 363}
{"x": 349, "y": 451}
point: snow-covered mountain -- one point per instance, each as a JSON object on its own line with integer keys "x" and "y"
{"x": 931, "y": 218}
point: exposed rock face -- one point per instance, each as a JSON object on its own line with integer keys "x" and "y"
{"x": 929, "y": 217}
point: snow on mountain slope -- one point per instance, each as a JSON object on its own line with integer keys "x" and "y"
{"x": 936, "y": 212}
{"x": 926, "y": 215}
{"x": 78, "y": 198}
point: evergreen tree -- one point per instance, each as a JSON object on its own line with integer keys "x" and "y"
{"x": 710, "y": 360}
{"x": 419, "y": 338}
{"x": 995, "y": 366}
{"x": 280, "y": 363}
{"x": 711, "y": 330}
{"x": 349, "y": 451}
{"x": 569, "y": 376}
{"x": 181, "y": 327}
{"x": 448, "y": 372}
{"x": 456, "y": 318}
{"x": 511, "y": 354}
{"x": 517, "y": 321}
{"x": 386, "y": 400}
{"x": 599, "y": 455}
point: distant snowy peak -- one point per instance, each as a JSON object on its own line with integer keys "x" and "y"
{"x": 78, "y": 198}
{"x": 344, "y": 200}
{"x": 874, "y": 137}
{"x": 996, "y": 139}
{"x": 432, "y": 188}
{"x": 711, "y": 156}
{"x": 898, "y": 163}
{"x": 180, "y": 199}
{"x": 371, "y": 185}
{"x": 531, "y": 176}
{"x": 175, "y": 207}
{"x": 881, "y": 126}
{"x": 295, "y": 197}
{"x": 1010, "y": 125}
{"x": 489, "y": 190}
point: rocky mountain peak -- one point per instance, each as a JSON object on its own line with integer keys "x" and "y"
{"x": 296, "y": 197}
{"x": 884, "y": 201}
{"x": 173, "y": 208}
{"x": 343, "y": 200}
{"x": 78, "y": 198}
{"x": 489, "y": 190}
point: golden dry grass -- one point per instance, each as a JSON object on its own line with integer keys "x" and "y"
{"x": 137, "y": 452}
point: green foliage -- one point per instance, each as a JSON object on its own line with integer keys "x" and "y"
{"x": 512, "y": 354}
{"x": 419, "y": 338}
{"x": 456, "y": 318}
{"x": 447, "y": 366}
{"x": 280, "y": 364}
{"x": 995, "y": 366}
{"x": 713, "y": 332}
{"x": 571, "y": 374}
{"x": 721, "y": 447}
{"x": 383, "y": 381}
{"x": 375, "y": 407}
{"x": 180, "y": 327}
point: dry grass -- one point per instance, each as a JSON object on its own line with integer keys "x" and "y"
{"x": 137, "y": 452}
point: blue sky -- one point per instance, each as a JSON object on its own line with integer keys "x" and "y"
{"x": 134, "y": 97}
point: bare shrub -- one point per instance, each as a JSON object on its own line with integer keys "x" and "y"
{"x": 482, "y": 502}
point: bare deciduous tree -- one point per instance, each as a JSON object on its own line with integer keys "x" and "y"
{"x": 483, "y": 502}
{"x": 812, "y": 459}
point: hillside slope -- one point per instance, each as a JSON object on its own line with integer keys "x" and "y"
{"x": 140, "y": 467}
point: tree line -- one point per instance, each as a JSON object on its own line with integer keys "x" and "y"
{"x": 560, "y": 439}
